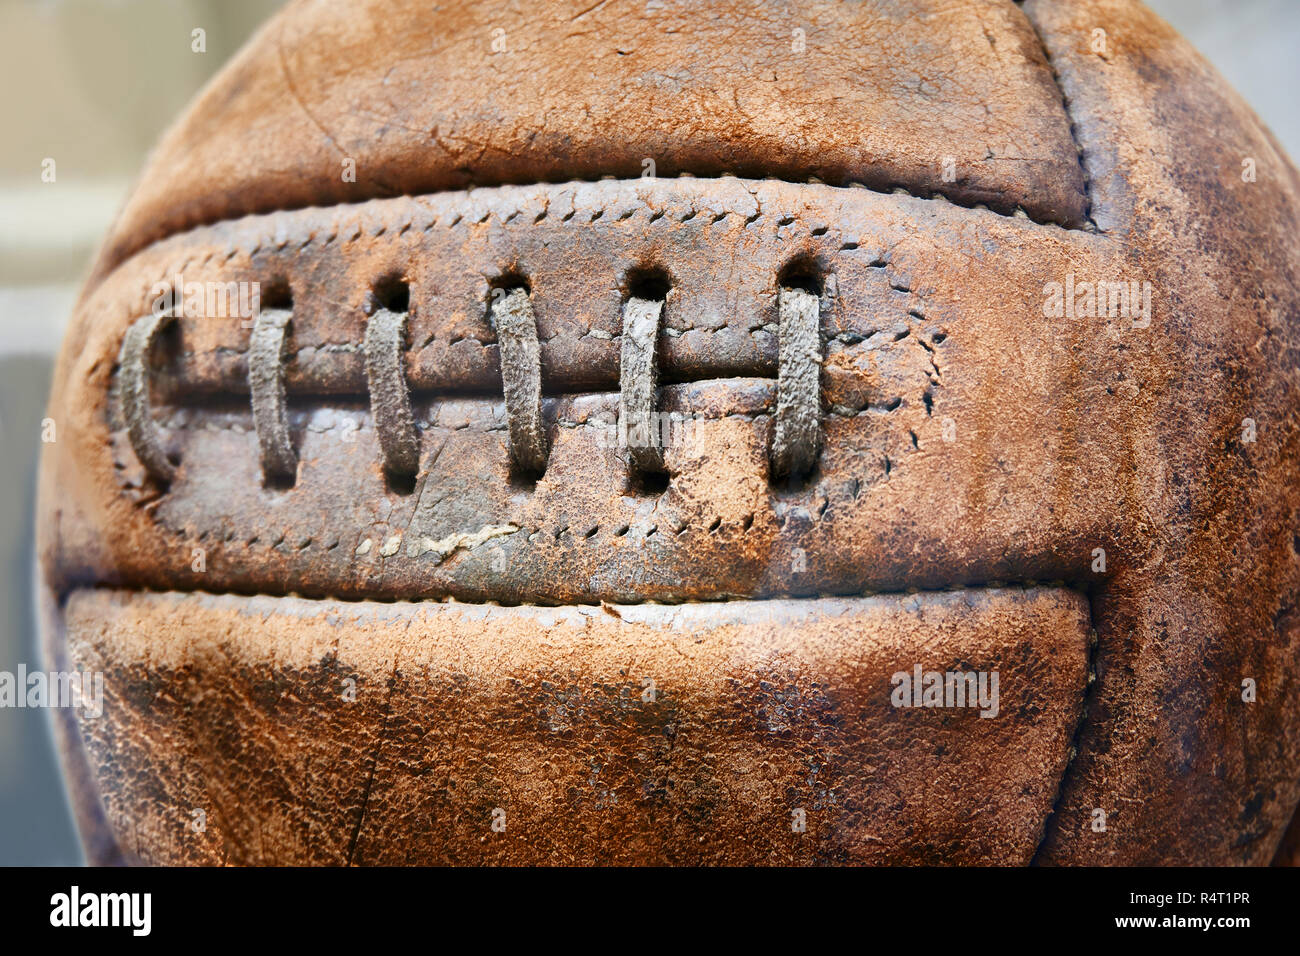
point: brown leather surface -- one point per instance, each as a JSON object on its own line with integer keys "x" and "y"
{"x": 390, "y": 733}
{"x": 967, "y": 438}
{"x": 915, "y": 339}
{"x": 424, "y": 98}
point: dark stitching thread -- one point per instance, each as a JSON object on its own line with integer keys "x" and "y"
{"x": 408, "y": 223}
{"x": 1090, "y": 224}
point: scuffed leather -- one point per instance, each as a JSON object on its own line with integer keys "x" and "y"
{"x": 409, "y": 98}
{"x": 314, "y": 732}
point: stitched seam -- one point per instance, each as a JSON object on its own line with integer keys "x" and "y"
{"x": 649, "y": 528}
{"x": 1091, "y": 692}
{"x": 1025, "y": 585}
{"x": 1090, "y": 223}
{"x": 408, "y": 223}
{"x": 584, "y": 535}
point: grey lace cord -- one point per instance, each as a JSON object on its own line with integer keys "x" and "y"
{"x": 796, "y": 439}
{"x": 521, "y": 377}
{"x": 266, "y": 358}
{"x": 638, "y": 380}
{"x": 796, "y": 436}
{"x": 390, "y": 397}
{"x": 133, "y": 394}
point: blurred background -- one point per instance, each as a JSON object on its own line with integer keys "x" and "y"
{"x": 91, "y": 84}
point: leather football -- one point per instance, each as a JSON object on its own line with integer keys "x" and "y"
{"x": 731, "y": 433}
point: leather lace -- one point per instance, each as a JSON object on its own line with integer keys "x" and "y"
{"x": 796, "y": 433}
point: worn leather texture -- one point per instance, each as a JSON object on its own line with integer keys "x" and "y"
{"x": 637, "y": 734}
{"x": 1075, "y": 500}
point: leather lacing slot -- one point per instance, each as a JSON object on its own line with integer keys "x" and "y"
{"x": 796, "y": 435}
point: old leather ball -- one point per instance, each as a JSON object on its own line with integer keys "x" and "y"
{"x": 750, "y": 432}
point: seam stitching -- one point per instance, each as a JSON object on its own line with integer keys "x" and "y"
{"x": 352, "y": 232}
{"x": 403, "y": 225}
{"x": 1090, "y": 693}
{"x": 1027, "y": 584}
{"x": 1090, "y": 223}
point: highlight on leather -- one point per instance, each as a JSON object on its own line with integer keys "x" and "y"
{"x": 390, "y": 398}
{"x": 521, "y": 377}
{"x": 133, "y": 392}
{"x": 796, "y": 439}
{"x": 638, "y": 380}
{"x": 266, "y": 357}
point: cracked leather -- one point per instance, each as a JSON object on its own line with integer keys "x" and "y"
{"x": 966, "y": 439}
{"x": 635, "y": 734}
{"x": 483, "y": 94}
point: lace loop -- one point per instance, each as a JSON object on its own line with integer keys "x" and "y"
{"x": 133, "y": 394}
{"x": 638, "y": 381}
{"x": 521, "y": 377}
{"x": 390, "y": 398}
{"x": 796, "y": 437}
{"x": 796, "y": 431}
{"x": 266, "y": 359}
